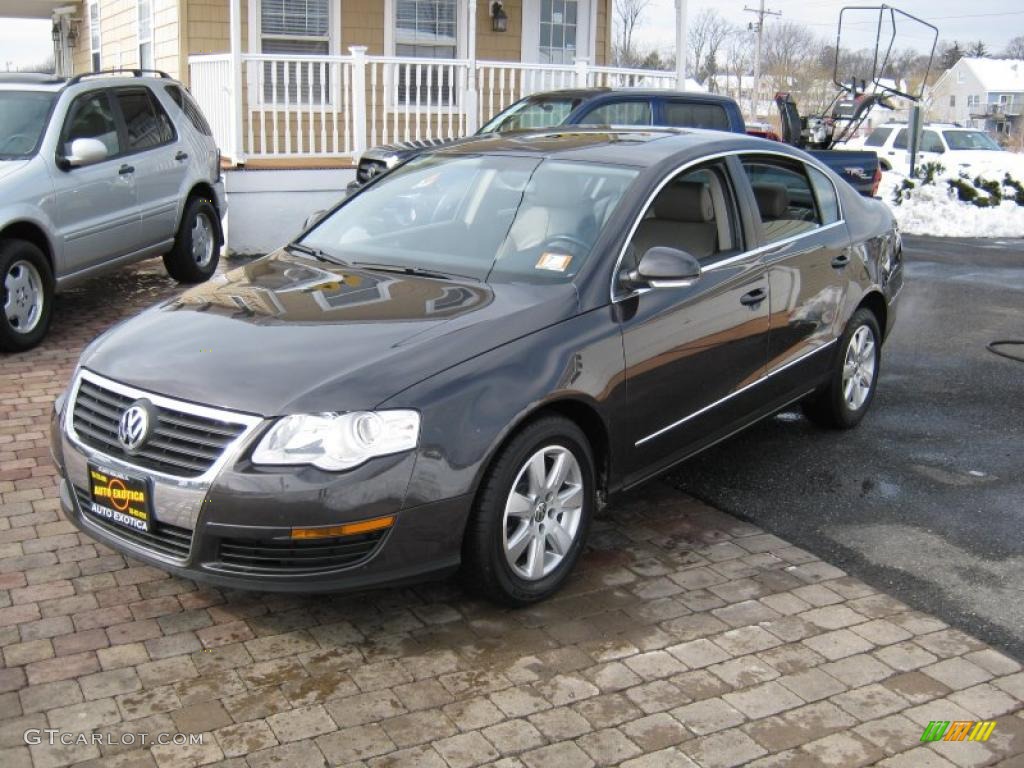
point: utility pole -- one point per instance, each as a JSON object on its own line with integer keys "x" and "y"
{"x": 761, "y": 12}
{"x": 681, "y": 45}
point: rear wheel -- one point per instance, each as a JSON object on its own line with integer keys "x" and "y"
{"x": 532, "y": 514}
{"x": 197, "y": 246}
{"x": 26, "y": 295}
{"x": 851, "y": 387}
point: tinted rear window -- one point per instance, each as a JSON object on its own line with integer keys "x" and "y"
{"x": 682, "y": 115}
{"x": 190, "y": 108}
{"x": 878, "y": 137}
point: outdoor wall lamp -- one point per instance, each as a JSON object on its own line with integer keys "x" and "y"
{"x": 499, "y": 19}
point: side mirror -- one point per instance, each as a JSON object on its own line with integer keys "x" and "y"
{"x": 664, "y": 267}
{"x": 312, "y": 219}
{"x": 86, "y": 152}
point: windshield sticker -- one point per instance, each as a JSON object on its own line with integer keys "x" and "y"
{"x": 556, "y": 262}
{"x": 427, "y": 181}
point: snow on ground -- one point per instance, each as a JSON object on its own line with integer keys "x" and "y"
{"x": 933, "y": 209}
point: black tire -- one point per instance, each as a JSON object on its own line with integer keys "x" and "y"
{"x": 17, "y": 260}
{"x": 485, "y": 568}
{"x": 830, "y": 407}
{"x": 181, "y": 263}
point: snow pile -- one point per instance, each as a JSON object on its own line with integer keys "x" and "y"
{"x": 949, "y": 204}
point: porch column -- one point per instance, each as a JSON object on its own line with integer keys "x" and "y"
{"x": 235, "y": 87}
{"x": 681, "y": 45}
{"x": 470, "y": 98}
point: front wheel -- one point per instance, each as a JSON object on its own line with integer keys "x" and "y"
{"x": 197, "y": 245}
{"x": 532, "y": 515}
{"x": 851, "y": 387}
{"x": 26, "y": 294}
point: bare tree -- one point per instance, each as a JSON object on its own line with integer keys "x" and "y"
{"x": 737, "y": 60}
{"x": 708, "y": 30}
{"x": 977, "y": 49}
{"x": 1015, "y": 48}
{"x": 791, "y": 52}
{"x": 628, "y": 14}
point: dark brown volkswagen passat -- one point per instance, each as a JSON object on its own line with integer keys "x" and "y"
{"x": 458, "y": 363}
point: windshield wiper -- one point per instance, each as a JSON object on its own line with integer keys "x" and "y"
{"x": 316, "y": 253}
{"x": 417, "y": 271}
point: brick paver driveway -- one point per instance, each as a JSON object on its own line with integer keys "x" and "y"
{"x": 686, "y": 638}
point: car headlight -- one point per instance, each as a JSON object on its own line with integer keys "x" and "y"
{"x": 336, "y": 441}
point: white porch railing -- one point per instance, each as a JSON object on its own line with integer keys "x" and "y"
{"x": 336, "y": 106}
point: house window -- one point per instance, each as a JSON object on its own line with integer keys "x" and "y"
{"x": 145, "y": 12}
{"x": 296, "y": 28}
{"x": 952, "y": 100}
{"x": 94, "y": 35}
{"x": 426, "y": 29}
{"x": 558, "y": 31}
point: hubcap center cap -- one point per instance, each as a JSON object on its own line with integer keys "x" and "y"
{"x": 539, "y": 512}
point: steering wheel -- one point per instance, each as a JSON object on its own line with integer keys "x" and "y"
{"x": 574, "y": 245}
{"x": 15, "y": 137}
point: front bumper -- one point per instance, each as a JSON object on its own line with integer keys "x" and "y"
{"x": 232, "y": 526}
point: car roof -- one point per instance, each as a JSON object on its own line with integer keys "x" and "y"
{"x": 644, "y": 93}
{"x": 35, "y": 81}
{"x": 612, "y": 145}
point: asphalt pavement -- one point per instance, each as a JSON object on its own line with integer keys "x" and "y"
{"x": 925, "y": 499}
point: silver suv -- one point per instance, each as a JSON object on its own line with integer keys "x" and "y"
{"x": 98, "y": 171}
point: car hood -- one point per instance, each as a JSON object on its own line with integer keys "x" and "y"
{"x": 981, "y": 159}
{"x": 9, "y": 167}
{"x": 285, "y": 334}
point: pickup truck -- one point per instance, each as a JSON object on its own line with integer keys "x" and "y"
{"x": 625, "y": 106}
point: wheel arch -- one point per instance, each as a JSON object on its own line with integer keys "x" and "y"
{"x": 202, "y": 189}
{"x": 32, "y": 233}
{"x": 874, "y": 301}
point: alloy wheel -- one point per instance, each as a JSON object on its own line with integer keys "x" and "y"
{"x": 203, "y": 240}
{"x": 543, "y": 512}
{"x": 859, "y": 368}
{"x": 24, "y": 305}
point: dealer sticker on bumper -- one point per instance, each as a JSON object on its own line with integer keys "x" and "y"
{"x": 121, "y": 499}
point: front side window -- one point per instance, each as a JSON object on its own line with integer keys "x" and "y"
{"x": 930, "y": 142}
{"x": 636, "y": 112}
{"x": 695, "y": 212}
{"x": 294, "y": 27}
{"x": 495, "y": 218}
{"x": 785, "y": 200}
{"x": 877, "y": 137}
{"x": 970, "y": 140}
{"x": 531, "y": 113}
{"x": 23, "y": 118}
{"x": 426, "y": 29}
{"x": 679, "y": 114}
{"x": 91, "y": 117}
{"x": 144, "y": 9}
{"x": 558, "y": 27}
{"x": 147, "y": 124}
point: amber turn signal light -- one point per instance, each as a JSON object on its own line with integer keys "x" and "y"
{"x": 347, "y": 529}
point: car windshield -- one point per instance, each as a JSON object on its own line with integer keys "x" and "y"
{"x": 532, "y": 112}
{"x": 486, "y": 217}
{"x": 23, "y": 116}
{"x": 970, "y": 140}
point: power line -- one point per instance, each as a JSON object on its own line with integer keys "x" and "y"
{"x": 760, "y": 12}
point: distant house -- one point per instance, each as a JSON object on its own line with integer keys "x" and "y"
{"x": 981, "y": 93}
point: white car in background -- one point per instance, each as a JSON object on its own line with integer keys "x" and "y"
{"x": 966, "y": 149}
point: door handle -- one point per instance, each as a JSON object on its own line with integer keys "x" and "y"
{"x": 841, "y": 260}
{"x": 754, "y": 297}
{"x": 181, "y": 156}
{"x": 124, "y": 170}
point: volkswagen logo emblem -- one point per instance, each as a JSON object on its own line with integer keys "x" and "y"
{"x": 136, "y": 423}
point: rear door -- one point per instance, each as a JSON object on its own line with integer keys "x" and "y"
{"x": 95, "y": 205}
{"x": 805, "y": 250}
{"x": 158, "y": 157}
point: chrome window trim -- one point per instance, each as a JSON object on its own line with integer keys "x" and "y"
{"x": 729, "y": 259}
{"x": 249, "y": 421}
{"x": 731, "y": 395}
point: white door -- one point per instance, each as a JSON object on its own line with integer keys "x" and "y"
{"x": 557, "y": 31}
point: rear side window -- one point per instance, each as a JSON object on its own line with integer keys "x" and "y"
{"x": 825, "y": 191}
{"x": 784, "y": 197}
{"x": 620, "y": 113}
{"x": 147, "y": 124}
{"x": 91, "y": 117}
{"x": 901, "y": 139}
{"x": 682, "y": 115}
{"x": 878, "y": 137}
{"x": 190, "y": 108}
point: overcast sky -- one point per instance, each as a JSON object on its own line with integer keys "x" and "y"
{"x": 25, "y": 42}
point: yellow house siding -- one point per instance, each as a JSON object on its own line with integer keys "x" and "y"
{"x": 119, "y": 37}
{"x": 362, "y": 23}
{"x": 499, "y": 46}
{"x": 602, "y": 50}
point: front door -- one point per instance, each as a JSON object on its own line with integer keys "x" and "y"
{"x": 95, "y": 205}
{"x": 160, "y": 160}
{"x": 806, "y": 251}
{"x": 693, "y": 355}
{"x": 556, "y": 31}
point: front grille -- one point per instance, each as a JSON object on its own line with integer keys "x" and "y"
{"x": 181, "y": 444}
{"x": 162, "y": 538}
{"x": 271, "y": 556}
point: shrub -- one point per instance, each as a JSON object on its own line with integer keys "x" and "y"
{"x": 1017, "y": 187}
